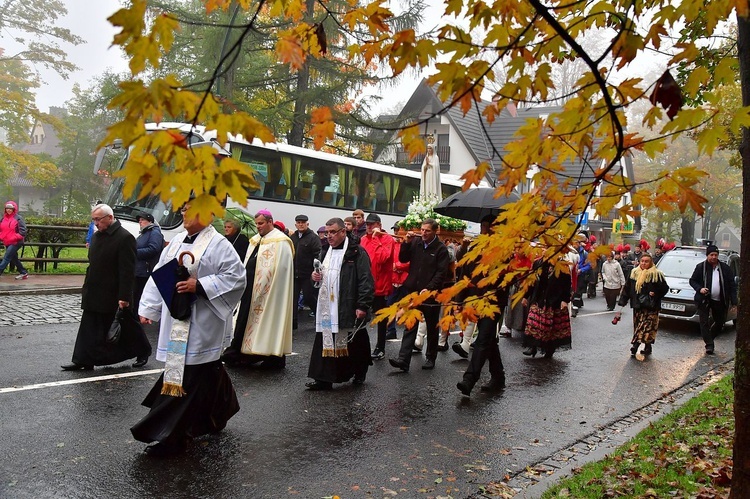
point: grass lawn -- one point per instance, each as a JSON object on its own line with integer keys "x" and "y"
{"x": 62, "y": 268}
{"x": 687, "y": 453}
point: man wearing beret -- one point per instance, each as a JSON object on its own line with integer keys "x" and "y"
{"x": 306, "y": 249}
{"x": 715, "y": 293}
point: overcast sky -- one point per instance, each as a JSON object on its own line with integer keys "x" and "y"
{"x": 87, "y": 19}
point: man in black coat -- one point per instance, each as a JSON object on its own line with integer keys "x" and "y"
{"x": 306, "y": 249}
{"x": 341, "y": 350}
{"x": 715, "y": 292}
{"x": 429, "y": 260}
{"x": 108, "y": 285}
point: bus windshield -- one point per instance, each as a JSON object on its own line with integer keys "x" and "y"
{"x": 129, "y": 208}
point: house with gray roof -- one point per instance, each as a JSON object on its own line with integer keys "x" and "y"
{"x": 43, "y": 139}
{"x": 464, "y": 141}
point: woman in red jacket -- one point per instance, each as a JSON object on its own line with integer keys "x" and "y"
{"x": 12, "y": 234}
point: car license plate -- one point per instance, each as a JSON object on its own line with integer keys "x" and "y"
{"x": 677, "y": 307}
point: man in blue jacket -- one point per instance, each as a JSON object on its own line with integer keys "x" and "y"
{"x": 149, "y": 244}
{"x": 584, "y": 271}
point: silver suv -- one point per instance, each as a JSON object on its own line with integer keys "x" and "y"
{"x": 678, "y": 265}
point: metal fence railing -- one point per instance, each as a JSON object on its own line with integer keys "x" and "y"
{"x": 46, "y": 242}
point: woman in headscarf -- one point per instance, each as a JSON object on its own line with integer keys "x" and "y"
{"x": 644, "y": 289}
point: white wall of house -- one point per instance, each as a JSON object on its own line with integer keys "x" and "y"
{"x": 31, "y": 199}
{"x": 461, "y": 159}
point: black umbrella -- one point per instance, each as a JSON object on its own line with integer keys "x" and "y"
{"x": 181, "y": 304}
{"x": 474, "y": 204}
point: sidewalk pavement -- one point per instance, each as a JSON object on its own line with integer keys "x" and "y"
{"x": 41, "y": 284}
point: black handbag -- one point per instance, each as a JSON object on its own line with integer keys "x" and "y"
{"x": 645, "y": 300}
{"x": 115, "y": 329}
{"x": 181, "y": 305}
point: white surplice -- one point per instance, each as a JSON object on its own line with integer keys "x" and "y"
{"x": 222, "y": 277}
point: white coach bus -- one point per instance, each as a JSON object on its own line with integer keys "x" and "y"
{"x": 292, "y": 180}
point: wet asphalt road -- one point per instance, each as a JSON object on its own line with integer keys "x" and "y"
{"x": 411, "y": 435}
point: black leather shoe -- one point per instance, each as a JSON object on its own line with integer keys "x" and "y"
{"x": 647, "y": 349}
{"x": 140, "y": 362}
{"x": 76, "y": 367}
{"x": 399, "y": 364}
{"x": 710, "y": 351}
{"x": 428, "y": 364}
{"x": 416, "y": 349}
{"x": 494, "y": 385}
{"x": 273, "y": 363}
{"x": 531, "y": 351}
{"x": 443, "y": 348}
{"x": 391, "y": 336}
{"x": 464, "y": 387}
{"x": 315, "y": 386}
{"x": 165, "y": 450}
{"x": 359, "y": 379}
{"x": 230, "y": 356}
{"x": 460, "y": 350}
{"x": 377, "y": 354}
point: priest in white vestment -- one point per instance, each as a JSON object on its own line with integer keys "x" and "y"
{"x": 263, "y": 323}
{"x": 194, "y": 396}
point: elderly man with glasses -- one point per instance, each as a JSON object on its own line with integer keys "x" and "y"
{"x": 108, "y": 286}
{"x": 341, "y": 350}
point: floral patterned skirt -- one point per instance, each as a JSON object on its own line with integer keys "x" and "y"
{"x": 645, "y": 325}
{"x": 547, "y": 327}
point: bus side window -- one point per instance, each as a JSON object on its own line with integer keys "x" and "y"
{"x": 405, "y": 192}
{"x": 276, "y": 186}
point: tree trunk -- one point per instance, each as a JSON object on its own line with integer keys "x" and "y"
{"x": 741, "y": 451}
{"x": 297, "y": 132}
{"x": 688, "y": 229}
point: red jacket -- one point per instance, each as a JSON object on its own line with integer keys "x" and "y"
{"x": 380, "y": 250}
{"x": 12, "y": 227}
{"x": 400, "y": 269}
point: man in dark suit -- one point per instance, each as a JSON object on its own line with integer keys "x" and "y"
{"x": 306, "y": 249}
{"x": 108, "y": 285}
{"x": 429, "y": 261}
{"x": 715, "y": 293}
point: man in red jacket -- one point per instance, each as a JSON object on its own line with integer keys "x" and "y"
{"x": 379, "y": 247}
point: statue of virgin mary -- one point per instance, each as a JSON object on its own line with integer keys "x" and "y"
{"x": 430, "y": 178}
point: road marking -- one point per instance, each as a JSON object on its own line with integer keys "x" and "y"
{"x": 595, "y": 313}
{"x": 84, "y": 380}
{"x": 78, "y": 381}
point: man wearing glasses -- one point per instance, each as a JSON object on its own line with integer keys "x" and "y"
{"x": 108, "y": 286}
{"x": 341, "y": 350}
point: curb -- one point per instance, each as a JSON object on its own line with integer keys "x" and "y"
{"x": 536, "y": 478}
{"x": 42, "y": 291}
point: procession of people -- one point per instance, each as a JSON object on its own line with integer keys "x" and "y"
{"x": 237, "y": 305}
